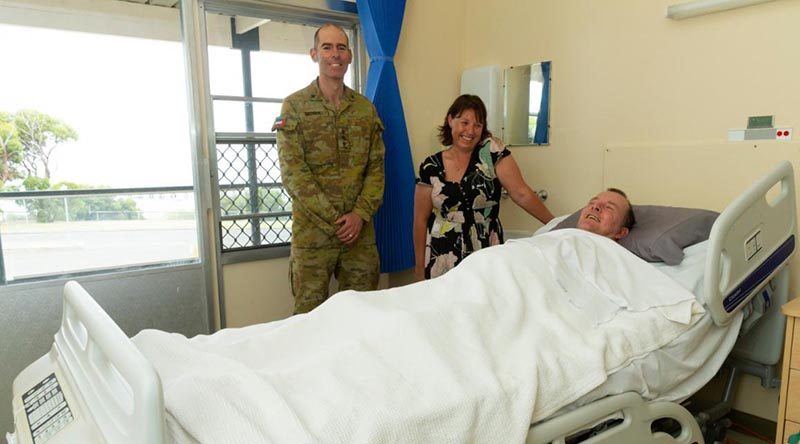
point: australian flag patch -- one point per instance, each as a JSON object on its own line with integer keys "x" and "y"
{"x": 280, "y": 122}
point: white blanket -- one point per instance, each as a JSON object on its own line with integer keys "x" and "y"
{"x": 507, "y": 337}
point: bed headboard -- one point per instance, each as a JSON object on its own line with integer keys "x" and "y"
{"x": 751, "y": 241}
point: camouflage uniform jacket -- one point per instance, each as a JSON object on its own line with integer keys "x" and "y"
{"x": 331, "y": 163}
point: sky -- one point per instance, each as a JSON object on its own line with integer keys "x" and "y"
{"x": 126, "y": 98}
{"x": 133, "y": 131}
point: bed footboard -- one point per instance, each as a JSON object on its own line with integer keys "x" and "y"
{"x": 105, "y": 390}
{"x": 636, "y": 417}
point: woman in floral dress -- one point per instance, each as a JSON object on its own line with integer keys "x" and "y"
{"x": 457, "y": 198}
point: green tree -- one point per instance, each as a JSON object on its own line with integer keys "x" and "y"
{"x": 10, "y": 149}
{"x": 27, "y": 141}
{"x": 40, "y": 134}
{"x": 51, "y": 209}
{"x": 101, "y": 207}
{"x": 43, "y": 210}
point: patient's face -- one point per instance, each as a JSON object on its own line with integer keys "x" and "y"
{"x": 604, "y": 215}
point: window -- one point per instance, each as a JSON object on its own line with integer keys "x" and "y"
{"x": 97, "y": 170}
{"x": 254, "y": 63}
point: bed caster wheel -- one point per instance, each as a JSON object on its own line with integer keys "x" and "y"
{"x": 717, "y": 431}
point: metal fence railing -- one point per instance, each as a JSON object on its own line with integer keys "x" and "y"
{"x": 57, "y": 233}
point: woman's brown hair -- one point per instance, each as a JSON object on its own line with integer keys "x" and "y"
{"x": 461, "y": 104}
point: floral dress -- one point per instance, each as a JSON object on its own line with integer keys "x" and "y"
{"x": 465, "y": 214}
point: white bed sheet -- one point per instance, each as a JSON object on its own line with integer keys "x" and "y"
{"x": 694, "y": 357}
{"x": 682, "y": 367}
{"x": 451, "y": 376}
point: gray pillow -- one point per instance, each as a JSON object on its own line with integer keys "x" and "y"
{"x": 661, "y": 233}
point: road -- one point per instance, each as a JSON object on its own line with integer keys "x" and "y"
{"x": 31, "y": 250}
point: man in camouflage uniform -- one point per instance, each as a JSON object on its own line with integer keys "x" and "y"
{"x": 331, "y": 150}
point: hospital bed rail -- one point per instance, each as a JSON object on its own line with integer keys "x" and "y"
{"x": 635, "y": 416}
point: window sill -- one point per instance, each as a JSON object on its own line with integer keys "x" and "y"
{"x": 255, "y": 254}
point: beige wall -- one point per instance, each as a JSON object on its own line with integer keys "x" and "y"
{"x": 624, "y": 74}
{"x": 257, "y": 292}
{"x": 429, "y": 59}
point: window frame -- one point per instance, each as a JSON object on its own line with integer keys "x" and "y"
{"x": 96, "y": 21}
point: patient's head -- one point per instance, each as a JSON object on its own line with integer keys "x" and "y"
{"x": 608, "y": 214}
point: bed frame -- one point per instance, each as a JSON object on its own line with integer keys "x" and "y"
{"x": 94, "y": 386}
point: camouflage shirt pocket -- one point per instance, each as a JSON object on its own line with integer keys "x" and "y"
{"x": 320, "y": 142}
{"x": 359, "y": 143}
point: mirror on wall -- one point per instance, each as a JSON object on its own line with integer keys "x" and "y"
{"x": 526, "y": 116}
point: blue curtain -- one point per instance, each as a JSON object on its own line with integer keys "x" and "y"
{"x": 542, "y": 119}
{"x": 381, "y": 21}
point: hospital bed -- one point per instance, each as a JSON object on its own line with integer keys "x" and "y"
{"x": 96, "y": 386}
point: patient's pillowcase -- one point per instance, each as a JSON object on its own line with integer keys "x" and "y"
{"x": 661, "y": 233}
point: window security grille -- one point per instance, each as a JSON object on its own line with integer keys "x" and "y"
{"x": 255, "y": 209}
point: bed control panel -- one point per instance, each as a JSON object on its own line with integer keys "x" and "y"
{"x": 753, "y": 245}
{"x": 47, "y": 409}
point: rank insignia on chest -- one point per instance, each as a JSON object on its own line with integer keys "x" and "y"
{"x": 280, "y": 122}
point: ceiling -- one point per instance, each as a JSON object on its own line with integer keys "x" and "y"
{"x": 173, "y": 3}
{"x": 165, "y": 3}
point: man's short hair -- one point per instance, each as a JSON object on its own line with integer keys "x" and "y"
{"x": 630, "y": 218}
{"x": 326, "y": 25}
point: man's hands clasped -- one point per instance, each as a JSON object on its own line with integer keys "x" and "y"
{"x": 351, "y": 225}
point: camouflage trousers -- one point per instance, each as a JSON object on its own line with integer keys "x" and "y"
{"x": 310, "y": 271}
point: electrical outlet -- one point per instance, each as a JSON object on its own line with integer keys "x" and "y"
{"x": 783, "y": 133}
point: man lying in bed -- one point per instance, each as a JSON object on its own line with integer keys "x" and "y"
{"x": 608, "y": 214}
